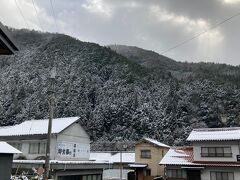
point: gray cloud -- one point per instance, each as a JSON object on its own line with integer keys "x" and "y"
{"x": 150, "y": 24}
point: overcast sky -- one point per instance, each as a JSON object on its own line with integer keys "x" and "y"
{"x": 150, "y": 24}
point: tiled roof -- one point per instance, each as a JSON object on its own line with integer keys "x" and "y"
{"x": 37, "y": 127}
{"x": 183, "y": 156}
{"x": 155, "y": 142}
{"x": 214, "y": 134}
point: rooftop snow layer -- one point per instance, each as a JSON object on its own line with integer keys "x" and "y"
{"x": 5, "y": 148}
{"x": 178, "y": 156}
{"x": 127, "y": 157}
{"x": 34, "y": 127}
{"x": 153, "y": 141}
{"x": 183, "y": 156}
{"x": 214, "y": 134}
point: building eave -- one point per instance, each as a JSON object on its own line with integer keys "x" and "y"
{"x": 7, "y": 45}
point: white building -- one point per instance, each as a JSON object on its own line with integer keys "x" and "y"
{"x": 69, "y": 140}
{"x": 213, "y": 156}
{"x": 69, "y": 150}
{"x": 116, "y": 160}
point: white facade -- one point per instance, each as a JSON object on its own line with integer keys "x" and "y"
{"x": 70, "y": 143}
{"x": 212, "y": 156}
{"x": 235, "y": 150}
{"x": 205, "y": 174}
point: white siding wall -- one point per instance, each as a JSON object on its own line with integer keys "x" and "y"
{"x": 74, "y": 134}
{"x": 197, "y": 150}
{"x": 205, "y": 175}
{"x": 25, "y": 148}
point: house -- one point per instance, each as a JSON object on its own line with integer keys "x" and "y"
{"x": 117, "y": 160}
{"x": 214, "y": 155}
{"x": 148, "y": 153}
{"x": 7, "y": 45}
{"x": 69, "y": 140}
{"x": 6, "y": 157}
{"x": 69, "y": 150}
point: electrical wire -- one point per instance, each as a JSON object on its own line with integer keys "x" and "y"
{"x": 200, "y": 34}
{"x": 19, "y": 9}
{"x": 54, "y": 15}
{"x": 39, "y": 22}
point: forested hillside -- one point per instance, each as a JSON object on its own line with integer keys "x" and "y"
{"x": 138, "y": 93}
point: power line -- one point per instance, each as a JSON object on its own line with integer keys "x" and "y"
{"x": 54, "y": 15}
{"x": 19, "y": 9}
{"x": 39, "y": 22}
{"x": 201, "y": 33}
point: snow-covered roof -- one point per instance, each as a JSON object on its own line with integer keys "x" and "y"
{"x": 56, "y": 162}
{"x": 155, "y": 142}
{"x": 37, "y": 127}
{"x": 5, "y": 148}
{"x": 214, "y": 134}
{"x": 113, "y": 157}
{"x": 178, "y": 156}
{"x": 183, "y": 156}
{"x": 137, "y": 165}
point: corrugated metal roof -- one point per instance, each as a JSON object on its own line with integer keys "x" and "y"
{"x": 37, "y": 127}
{"x": 214, "y": 134}
{"x": 5, "y": 148}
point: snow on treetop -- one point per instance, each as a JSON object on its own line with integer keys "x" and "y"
{"x": 214, "y": 134}
{"x": 5, "y": 148}
{"x": 32, "y": 127}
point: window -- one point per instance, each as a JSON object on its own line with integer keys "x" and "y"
{"x": 216, "y": 152}
{"x": 176, "y": 173}
{"x": 221, "y": 176}
{"x": 37, "y": 148}
{"x": 17, "y": 145}
{"x": 146, "y": 154}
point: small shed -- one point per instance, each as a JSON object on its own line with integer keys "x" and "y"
{"x": 6, "y": 159}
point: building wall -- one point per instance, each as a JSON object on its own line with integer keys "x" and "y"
{"x": 25, "y": 148}
{"x": 156, "y": 157}
{"x": 111, "y": 174}
{"x": 5, "y": 166}
{"x": 74, "y": 135}
{"x": 197, "y": 150}
{"x": 205, "y": 175}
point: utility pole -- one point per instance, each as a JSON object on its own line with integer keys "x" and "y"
{"x": 51, "y": 101}
{"x": 122, "y": 148}
{"x": 121, "y": 165}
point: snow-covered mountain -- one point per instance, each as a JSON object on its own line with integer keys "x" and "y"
{"x": 116, "y": 94}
